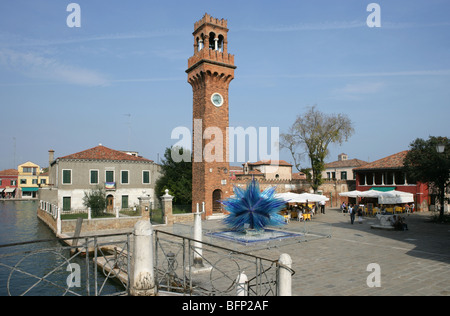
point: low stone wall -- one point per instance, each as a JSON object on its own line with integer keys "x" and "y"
{"x": 183, "y": 218}
{"x": 98, "y": 224}
{"x": 89, "y": 225}
{"x": 47, "y": 219}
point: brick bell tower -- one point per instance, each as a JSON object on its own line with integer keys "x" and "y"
{"x": 210, "y": 71}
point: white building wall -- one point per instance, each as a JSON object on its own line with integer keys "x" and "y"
{"x": 77, "y": 196}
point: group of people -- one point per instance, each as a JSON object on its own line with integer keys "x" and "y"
{"x": 304, "y": 208}
{"x": 353, "y": 211}
{"x": 407, "y": 208}
{"x": 398, "y": 221}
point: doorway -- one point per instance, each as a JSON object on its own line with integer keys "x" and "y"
{"x": 217, "y": 196}
{"x": 110, "y": 203}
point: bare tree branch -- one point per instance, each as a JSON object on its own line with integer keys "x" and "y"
{"x": 313, "y": 132}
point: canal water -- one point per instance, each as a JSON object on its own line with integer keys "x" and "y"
{"x": 34, "y": 261}
{"x": 18, "y": 222}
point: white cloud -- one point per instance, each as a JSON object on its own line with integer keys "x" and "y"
{"x": 15, "y": 40}
{"x": 442, "y": 72}
{"x": 362, "y": 88}
{"x": 355, "y": 91}
{"x": 406, "y": 73}
{"x": 320, "y": 26}
{"x": 155, "y": 79}
{"x": 36, "y": 66}
{"x": 337, "y": 25}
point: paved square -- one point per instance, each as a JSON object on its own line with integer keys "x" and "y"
{"x": 413, "y": 262}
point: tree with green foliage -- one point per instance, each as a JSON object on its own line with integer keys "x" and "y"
{"x": 314, "y": 131}
{"x": 96, "y": 200}
{"x": 176, "y": 175}
{"x": 423, "y": 163}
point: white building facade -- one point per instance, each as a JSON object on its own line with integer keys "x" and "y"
{"x": 124, "y": 176}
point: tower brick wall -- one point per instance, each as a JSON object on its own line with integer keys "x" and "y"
{"x": 210, "y": 71}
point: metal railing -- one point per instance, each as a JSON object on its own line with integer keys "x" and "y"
{"x": 188, "y": 267}
{"x": 55, "y": 267}
{"x": 101, "y": 265}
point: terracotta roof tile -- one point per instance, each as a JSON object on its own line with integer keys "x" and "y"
{"x": 9, "y": 172}
{"x": 270, "y": 162}
{"x": 299, "y": 175}
{"x": 345, "y": 163}
{"x": 251, "y": 173}
{"x": 104, "y": 153}
{"x": 390, "y": 162}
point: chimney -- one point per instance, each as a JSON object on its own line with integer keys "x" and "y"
{"x": 51, "y": 156}
{"x": 342, "y": 157}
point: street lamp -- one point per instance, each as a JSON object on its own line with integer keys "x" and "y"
{"x": 440, "y": 147}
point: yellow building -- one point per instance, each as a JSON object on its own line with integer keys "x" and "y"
{"x": 30, "y": 179}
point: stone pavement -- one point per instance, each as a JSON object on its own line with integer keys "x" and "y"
{"x": 413, "y": 262}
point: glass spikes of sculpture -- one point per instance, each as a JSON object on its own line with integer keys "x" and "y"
{"x": 253, "y": 209}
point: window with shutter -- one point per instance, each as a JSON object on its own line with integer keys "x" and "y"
{"x": 67, "y": 176}
{"x": 124, "y": 177}
{"x": 145, "y": 177}
{"x": 94, "y": 177}
{"x": 66, "y": 203}
{"x": 124, "y": 201}
{"x": 109, "y": 176}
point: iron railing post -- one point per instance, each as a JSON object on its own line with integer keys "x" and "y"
{"x": 95, "y": 263}
{"x": 128, "y": 264}
{"x": 87, "y": 266}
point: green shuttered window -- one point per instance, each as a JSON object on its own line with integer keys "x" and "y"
{"x": 67, "y": 176}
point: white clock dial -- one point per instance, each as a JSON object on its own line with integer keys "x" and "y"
{"x": 217, "y": 99}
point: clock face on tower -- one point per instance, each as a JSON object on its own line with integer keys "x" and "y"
{"x": 217, "y": 99}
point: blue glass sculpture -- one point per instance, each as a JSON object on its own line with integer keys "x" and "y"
{"x": 253, "y": 209}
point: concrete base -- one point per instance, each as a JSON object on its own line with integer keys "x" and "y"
{"x": 216, "y": 216}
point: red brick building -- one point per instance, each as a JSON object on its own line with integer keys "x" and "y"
{"x": 210, "y": 71}
{"x": 387, "y": 174}
{"x": 8, "y": 183}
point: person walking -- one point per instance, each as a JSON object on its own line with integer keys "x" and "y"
{"x": 343, "y": 206}
{"x": 322, "y": 207}
{"x": 360, "y": 213}
{"x": 352, "y": 213}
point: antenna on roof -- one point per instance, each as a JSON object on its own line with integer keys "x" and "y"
{"x": 15, "y": 163}
{"x": 129, "y": 129}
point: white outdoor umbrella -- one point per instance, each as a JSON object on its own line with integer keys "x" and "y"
{"x": 289, "y": 197}
{"x": 352, "y": 194}
{"x": 371, "y": 194}
{"x": 395, "y": 197}
{"x": 302, "y": 197}
{"x": 310, "y": 197}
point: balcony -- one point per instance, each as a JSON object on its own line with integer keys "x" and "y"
{"x": 110, "y": 186}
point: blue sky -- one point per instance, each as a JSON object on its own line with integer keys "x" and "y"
{"x": 120, "y": 78}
